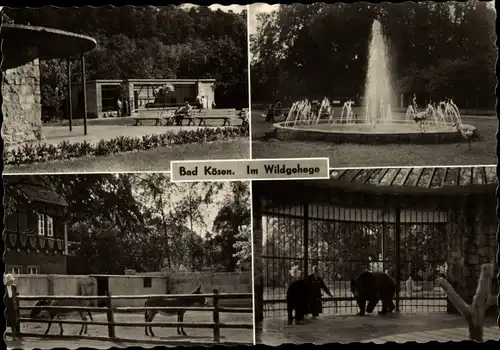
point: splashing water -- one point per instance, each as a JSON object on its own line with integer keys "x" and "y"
{"x": 378, "y": 88}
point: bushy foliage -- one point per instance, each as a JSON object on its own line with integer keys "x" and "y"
{"x": 147, "y": 42}
{"x": 41, "y": 152}
{"x": 321, "y": 49}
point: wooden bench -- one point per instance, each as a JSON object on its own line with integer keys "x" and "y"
{"x": 222, "y": 114}
{"x": 156, "y": 114}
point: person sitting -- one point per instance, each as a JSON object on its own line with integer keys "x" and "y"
{"x": 181, "y": 112}
{"x": 244, "y": 118}
{"x": 270, "y": 114}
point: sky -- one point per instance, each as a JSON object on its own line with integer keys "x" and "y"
{"x": 209, "y": 212}
{"x": 225, "y": 8}
{"x": 255, "y": 9}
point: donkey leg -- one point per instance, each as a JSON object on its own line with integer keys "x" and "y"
{"x": 146, "y": 318}
{"x": 182, "y": 327}
{"x": 48, "y": 327}
{"x": 61, "y": 330}
{"x": 178, "y": 321}
{"x": 83, "y": 328}
{"x": 152, "y": 316}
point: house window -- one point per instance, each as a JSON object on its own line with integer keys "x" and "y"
{"x": 50, "y": 226}
{"x": 33, "y": 270}
{"x": 41, "y": 224}
{"x": 15, "y": 269}
{"x": 147, "y": 282}
{"x": 45, "y": 225}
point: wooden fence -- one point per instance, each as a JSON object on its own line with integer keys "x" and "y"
{"x": 110, "y": 311}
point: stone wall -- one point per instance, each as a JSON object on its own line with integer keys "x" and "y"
{"x": 472, "y": 236}
{"x": 21, "y": 108}
{"x": 160, "y": 283}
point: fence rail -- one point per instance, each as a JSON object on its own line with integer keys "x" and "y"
{"x": 109, "y": 309}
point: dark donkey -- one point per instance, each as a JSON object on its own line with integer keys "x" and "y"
{"x": 173, "y": 302}
{"x": 53, "y": 313}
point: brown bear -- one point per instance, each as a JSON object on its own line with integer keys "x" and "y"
{"x": 371, "y": 287}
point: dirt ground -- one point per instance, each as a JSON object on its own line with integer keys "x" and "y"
{"x": 400, "y": 327}
{"x": 136, "y": 334}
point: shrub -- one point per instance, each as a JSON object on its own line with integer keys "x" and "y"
{"x": 40, "y": 152}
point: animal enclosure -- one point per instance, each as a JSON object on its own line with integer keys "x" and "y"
{"x": 113, "y": 320}
{"x": 405, "y": 222}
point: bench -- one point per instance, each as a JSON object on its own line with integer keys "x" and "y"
{"x": 156, "y": 114}
{"x": 222, "y": 114}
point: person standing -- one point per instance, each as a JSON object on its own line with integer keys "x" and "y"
{"x": 10, "y": 302}
{"x": 317, "y": 284}
{"x": 119, "y": 107}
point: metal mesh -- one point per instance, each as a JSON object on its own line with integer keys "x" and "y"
{"x": 344, "y": 241}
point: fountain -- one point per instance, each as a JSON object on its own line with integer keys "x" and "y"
{"x": 311, "y": 120}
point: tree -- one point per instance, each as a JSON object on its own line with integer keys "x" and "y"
{"x": 233, "y": 215}
{"x": 146, "y": 43}
{"x": 317, "y": 50}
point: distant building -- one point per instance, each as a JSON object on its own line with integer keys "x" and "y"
{"x": 102, "y": 94}
{"x": 35, "y": 231}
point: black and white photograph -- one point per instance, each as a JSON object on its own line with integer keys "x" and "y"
{"x": 374, "y": 84}
{"x": 126, "y": 259}
{"x": 129, "y": 88}
{"x": 377, "y": 255}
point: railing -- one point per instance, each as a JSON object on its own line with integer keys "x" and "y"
{"x": 110, "y": 311}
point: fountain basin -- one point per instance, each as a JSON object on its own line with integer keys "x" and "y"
{"x": 365, "y": 133}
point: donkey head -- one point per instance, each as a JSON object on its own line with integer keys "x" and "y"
{"x": 198, "y": 300}
{"x": 36, "y": 311}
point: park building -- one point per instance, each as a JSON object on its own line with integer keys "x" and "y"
{"x": 35, "y": 236}
{"x": 102, "y": 94}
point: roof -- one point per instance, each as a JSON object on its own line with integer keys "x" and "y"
{"x": 18, "y": 41}
{"x": 32, "y": 190}
{"x": 435, "y": 181}
{"x": 151, "y": 81}
{"x": 423, "y": 177}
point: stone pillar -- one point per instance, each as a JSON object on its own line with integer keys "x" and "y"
{"x": 21, "y": 109}
{"x": 98, "y": 97}
{"x": 128, "y": 94}
{"x": 258, "y": 267}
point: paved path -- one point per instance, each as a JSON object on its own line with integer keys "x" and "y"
{"x": 396, "y": 327}
{"x": 441, "y": 335}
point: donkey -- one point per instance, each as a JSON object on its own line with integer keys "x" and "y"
{"x": 173, "y": 301}
{"x": 53, "y": 313}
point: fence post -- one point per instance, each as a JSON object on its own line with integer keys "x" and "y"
{"x": 15, "y": 301}
{"x": 216, "y": 316}
{"x": 110, "y": 316}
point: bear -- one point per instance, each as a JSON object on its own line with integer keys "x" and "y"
{"x": 371, "y": 287}
{"x": 299, "y": 298}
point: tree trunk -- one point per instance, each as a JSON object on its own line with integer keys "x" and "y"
{"x": 474, "y": 313}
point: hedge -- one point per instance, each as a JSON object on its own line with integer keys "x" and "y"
{"x": 42, "y": 152}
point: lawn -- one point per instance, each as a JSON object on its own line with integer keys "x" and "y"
{"x": 154, "y": 160}
{"x": 353, "y": 155}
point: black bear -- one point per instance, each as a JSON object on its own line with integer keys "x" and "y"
{"x": 299, "y": 298}
{"x": 371, "y": 287}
